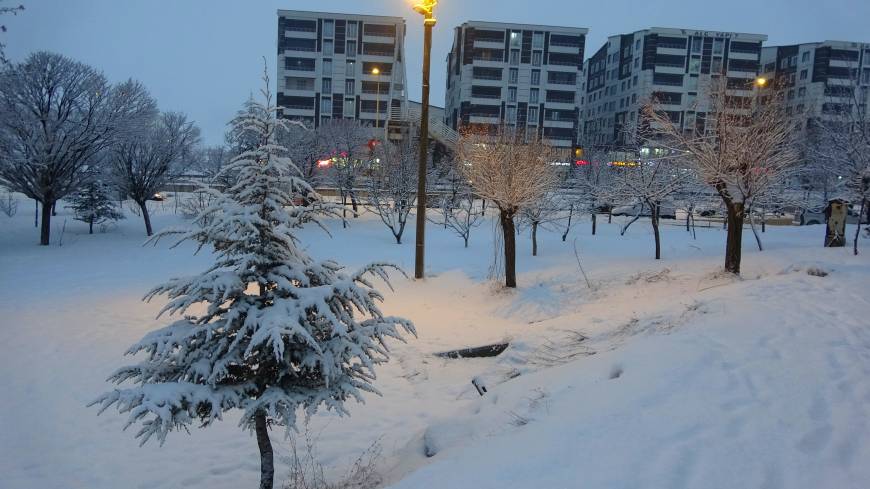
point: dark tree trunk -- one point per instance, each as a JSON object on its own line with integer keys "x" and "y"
{"x": 353, "y": 204}
{"x": 594, "y": 222}
{"x": 734, "y": 239}
{"x": 610, "y": 216}
{"x": 54, "y": 208}
{"x": 466, "y": 240}
{"x": 267, "y": 462}
{"x": 858, "y": 230}
{"x": 534, "y": 239}
{"x": 688, "y": 218}
{"x": 763, "y": 220}
{"x": 343, "y": 210}
{"x": 654, "y": 220}
{"x": 36, "y": 213}
{"x": 568, "y": 227}
{"x": 45, "y": 229}
{"x": 91, "y": 226}
{"x": 506, "y": 217}
{"x": 147, "y": 217}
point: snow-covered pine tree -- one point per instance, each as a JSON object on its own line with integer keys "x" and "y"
{"x": 279, "y": 331}
{"x": 92, "y": 204}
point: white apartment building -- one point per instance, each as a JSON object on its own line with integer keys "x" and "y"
{"x": 672, "y": 65}
{"x": 341, "y": 66}
{"x": 822, "y": 80}
{"x": 523, "y": 75}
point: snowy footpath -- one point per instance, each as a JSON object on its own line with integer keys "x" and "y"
{"x": 662, "y": 374}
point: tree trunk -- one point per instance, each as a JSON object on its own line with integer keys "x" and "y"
{"x": 147, "y": 217}
{"x": 54, "y": 208}
{"x": 353, "y": 204}
{"x": 45, "y": 229}
{"x": 610, "y": 216}
{"x": 267, "y": 462}
{"x": 466, "y": 240}
{"x": 343, "y": 210}
{"x": 568, "y": 227}
{"x": 755, "y": 232}
{"x": 594, "y": 222}
{"x": 91, "y": 226}
{"x": 654, "y": 220}
{"x": 534, "y": 239}
{"x": 858, "y": 230}
{"x": 510, "y": 247}
{"x": 763, "y": 220}
{"x": 688, "y": 218}
{"x": 734, "y": 239}
{"x": 36, "y": 213}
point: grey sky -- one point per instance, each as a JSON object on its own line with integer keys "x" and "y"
{"x": 205, "y": 56}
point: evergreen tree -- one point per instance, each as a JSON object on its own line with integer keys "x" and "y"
{"x": 279, "y": 332}
{"x": 92, "y": 204}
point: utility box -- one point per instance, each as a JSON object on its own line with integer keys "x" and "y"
{"x": 835, "y": 231}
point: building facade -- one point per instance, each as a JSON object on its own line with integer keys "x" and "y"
{"x": 341, "y": 66}
{"x": 526, "y": 76}
{"x": 822, "y": 80}
{"x": 669, "y": 65}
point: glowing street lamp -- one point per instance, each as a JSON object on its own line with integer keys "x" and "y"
{"x": 761, "y": 82}
{"x": 424, "y": 8}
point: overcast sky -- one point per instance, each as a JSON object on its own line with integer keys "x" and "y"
{"x": 204, "y": 57}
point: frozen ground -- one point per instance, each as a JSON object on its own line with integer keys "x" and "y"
{"x": 684, "y": 378}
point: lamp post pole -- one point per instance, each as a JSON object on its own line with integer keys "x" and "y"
{"x": 425, "y": 8}
{"x": 377, "y": 73}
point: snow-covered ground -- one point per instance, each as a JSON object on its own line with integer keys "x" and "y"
{"x": 663, "y": 375}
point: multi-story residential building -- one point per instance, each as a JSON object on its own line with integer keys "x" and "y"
{"x": 341, "y": 65}
{"x": 822, "y": 80}
{"x": 669, "y": 65}
{"x": 527, "y": 76}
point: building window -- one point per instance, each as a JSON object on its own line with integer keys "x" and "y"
{"x": 516, "y": 38}
{"x": 326, "y": 85}
{"x": 637, "y": 45}
{"x": 326, "y": 105}
{"x": 351, "y": 49}
{"x": 803, "y": 74}
{"x": 695, "y": 65}
{"x": 513, "y": 75}
{"x": 718, "y": 46}
{"x": 633, "y": 98}
{"x": 802, "y": 91}
{"x": 536, "y": 77}
{"x": 515, "y": 57}
{"x": 537, "y": 57}
{"x": 349, "y": 107}
{"x": 349, "y": 87}
{"x": 511, "y": 114}
{"x": 533, "y": 96}
{"x": 512, "y": 94}
{"x": 350, "y": 68}
{"x": 805, "y": 57}
{"x": 533, "y": 116}
{"x": 716, "y": 66}
{"x": 538, "y": 40}
{"x": 327, "y": 47}
{"x": 328, "y": 28}
{"x": 352, "y": 29}
{"x": 696, "y": 45}
{"x": 866, "y": 76}
{"x": 327, "y": 67}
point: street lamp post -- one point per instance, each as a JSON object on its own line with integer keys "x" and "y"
{"x": 377, "y": 72}
{"x": 425, "y": 8}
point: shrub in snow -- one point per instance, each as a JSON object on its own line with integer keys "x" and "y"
{"x": 278, "y": 332}
{"x": 93, "y": 205}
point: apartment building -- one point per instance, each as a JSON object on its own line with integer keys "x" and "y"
{"x": 341, "y": 66}
{"x": 822, "y": 80}
{"x": 668, "y": 64}
{"x": 523, "y": 75}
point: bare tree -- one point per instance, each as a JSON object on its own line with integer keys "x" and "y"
{"x": 594, "y": 180}
{"x": 548, "y": 209}
{"x": 651, "y": 183}
{"x": 56, "y": 114}
{"x": 4, "y": 11}
{"x": 510, "y": 172}
{"x": 459, "y": 211}
{"x": 840, "y": 142}
{"x": 740, "y": 148}
{"x": 392, "y": 184}
{"x": 142, "y": 162}
{"x": 343, "y": 142}
{"x": 301, "y": 143}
